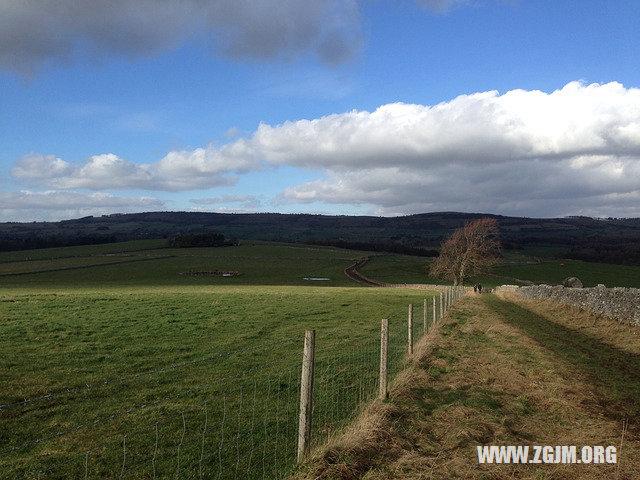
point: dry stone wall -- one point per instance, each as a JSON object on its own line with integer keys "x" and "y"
{"x": 622, "y": 304}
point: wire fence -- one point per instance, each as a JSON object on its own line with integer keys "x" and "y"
{"x": 243, "y": 424}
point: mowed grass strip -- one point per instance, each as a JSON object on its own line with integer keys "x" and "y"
{"x": 181, "y": 381}
{"x": 477, "y": 380}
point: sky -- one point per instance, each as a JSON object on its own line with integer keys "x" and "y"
{"x": 355, "y": 107}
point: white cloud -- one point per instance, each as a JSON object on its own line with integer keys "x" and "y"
{"x": 178, "y": 170}
{"x": 54, "y": 205}
{"x": 246, "y": 202}
{"x": 40, "y": 167}
{"x": 574, "y": 150}
{"x": 482, "y": 127}
{"x": 35, "y": 32}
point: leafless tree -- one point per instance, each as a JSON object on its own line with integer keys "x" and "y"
{"x": 470, "y": 250}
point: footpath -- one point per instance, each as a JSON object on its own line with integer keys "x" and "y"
{"x": 505, "y": 372}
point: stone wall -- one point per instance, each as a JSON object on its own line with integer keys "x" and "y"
{"x": 622, "y": 304}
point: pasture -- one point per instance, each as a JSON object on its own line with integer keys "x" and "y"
{"x": 116, "y": 366}
{"x": 515, "y": 267}
{"x": 150, "y": 263}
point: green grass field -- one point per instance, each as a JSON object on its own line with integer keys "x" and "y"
{"x": 117, "y": 365}
{"x": 148, "y": 263}
{"x": 131, "y": 370}
{"x": 409, "y": 269}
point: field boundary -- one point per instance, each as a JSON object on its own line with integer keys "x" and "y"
{"x": 82, "y": 267}
{"x": 622, "y": 304}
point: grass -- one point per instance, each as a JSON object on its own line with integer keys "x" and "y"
{"x": 81, "y": 251}
{"x": 150, "y": 263}
{"x": 590, "y": 273}
{"x": 481, "y": 379}
{"x": 131, "y": 370}
{"x": 147, "y": 263}
{"x": 115, "y": 365}
{"x": 614, "y": 372}
{"x": 620, "y": 335}
{"x": 409, "y": 269}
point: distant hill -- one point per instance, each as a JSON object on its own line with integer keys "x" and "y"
{"x": 610, "y": 240}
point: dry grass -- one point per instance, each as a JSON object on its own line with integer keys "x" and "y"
{"x": 374, "y": 439}
{"x": 477, "y": 380}
{"x": 617, "y": 334}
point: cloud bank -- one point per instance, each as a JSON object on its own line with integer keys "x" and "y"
{"x": 572, "y": 151}
{"x": 178, "y": 170}
{"x": 53, "y": 205}
{"x": 575, "y": 150}
{"x": 244, "y": 202}
{"x": 36, "y": 32}
{"x": 33, "y": 32}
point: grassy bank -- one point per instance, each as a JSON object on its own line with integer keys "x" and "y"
{"x": 484, "y": 379}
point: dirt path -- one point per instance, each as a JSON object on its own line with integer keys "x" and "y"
{"x": 493, "y": 373}
{"x": 352, "y": 272}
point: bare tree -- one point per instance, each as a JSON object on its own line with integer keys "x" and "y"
{"x": 470, "y": 250}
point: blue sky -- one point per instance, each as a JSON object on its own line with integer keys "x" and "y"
{"x": 206, "y": 87}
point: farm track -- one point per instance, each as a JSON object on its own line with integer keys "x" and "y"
{"x": 352, "y": 272}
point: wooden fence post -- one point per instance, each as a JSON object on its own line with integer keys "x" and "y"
{"x": 433, "y": 321}
{"x": 384, "y": 349}
{"x": 424, "y": 316}
{"x": 441, "y": 306}
{"x": 306, "y": 394}
{"x": 410, "y": 330}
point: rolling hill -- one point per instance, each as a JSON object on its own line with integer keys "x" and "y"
{"x": 611, "y": 240}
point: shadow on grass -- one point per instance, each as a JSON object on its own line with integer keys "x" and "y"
{"x": 615, "y": 374}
